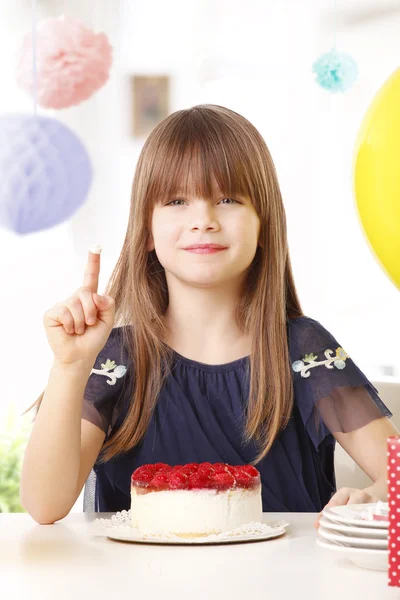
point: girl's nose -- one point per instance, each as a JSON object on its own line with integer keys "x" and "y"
{"x": 204, "y": 225}
{"x": 203, "y": 218}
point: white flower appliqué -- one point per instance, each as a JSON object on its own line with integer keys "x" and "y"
{"x": 107, "y": 367}
{"x": 310, "y": 361}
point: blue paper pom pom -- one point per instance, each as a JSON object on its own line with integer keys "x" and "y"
{"x": 335, "y": 71}
{"x": 45, "y": 173}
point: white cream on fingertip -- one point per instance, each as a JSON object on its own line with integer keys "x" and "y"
{"x": 95, "y": 249}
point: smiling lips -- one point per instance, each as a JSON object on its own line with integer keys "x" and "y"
{"x": 205, "y": 248}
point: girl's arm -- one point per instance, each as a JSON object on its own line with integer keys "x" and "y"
{"x": 60, "y": 452}
{"x": 367, "y": 446}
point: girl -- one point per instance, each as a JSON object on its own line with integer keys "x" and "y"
{"x": 199, "y": 351}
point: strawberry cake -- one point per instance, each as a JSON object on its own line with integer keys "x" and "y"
{"x": 194, "y": 500}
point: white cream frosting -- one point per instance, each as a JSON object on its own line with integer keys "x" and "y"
{"x": 195, "y": 512}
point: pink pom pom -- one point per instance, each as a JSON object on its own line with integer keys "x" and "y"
{"x": 72, "y": 62}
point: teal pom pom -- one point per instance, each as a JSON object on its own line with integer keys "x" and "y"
{"x": 335, "y": 71}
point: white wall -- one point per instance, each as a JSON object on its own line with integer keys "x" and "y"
{"x": 253, "y": 57}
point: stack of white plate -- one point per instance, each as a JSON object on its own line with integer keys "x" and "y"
{"x": 345, "y": 531}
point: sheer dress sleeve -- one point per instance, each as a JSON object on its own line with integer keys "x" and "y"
{"x": 107, "y": 384}
{"x": 332, "y": 393}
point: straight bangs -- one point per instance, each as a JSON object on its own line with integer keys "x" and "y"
{"x": 193, "y": 155}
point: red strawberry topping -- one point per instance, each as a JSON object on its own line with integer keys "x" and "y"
{"x": 243, "y": 478}
{"x": 160, "y": 481}
{"x": 188, "y": 469}
{"x": 223, "y": 481}
{"x": 178, "y": 481}
{"x": 143, "y": 474}
{"x": 206, "y": 471}
{"x": 219, "y": 476}
{"x": 220, "y": 468}
{"x": 146, "y": 469}
{"x": 160, "y": 465}
{"x": 166, "y": 469}
{"x": 200, "y": 481}
{"x": 252, "y": 471}
{"x": 206, "y": 465}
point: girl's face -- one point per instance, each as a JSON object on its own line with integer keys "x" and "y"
{"x": 182, "y": 221}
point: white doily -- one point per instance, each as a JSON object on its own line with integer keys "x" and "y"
{"x": 119, "y": 527}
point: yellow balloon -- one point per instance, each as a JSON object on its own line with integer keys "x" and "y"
{"x": 377, "y": 176}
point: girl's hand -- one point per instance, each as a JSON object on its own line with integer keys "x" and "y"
{"x": 348, "y": 496}
{"x": 78, "y": 328}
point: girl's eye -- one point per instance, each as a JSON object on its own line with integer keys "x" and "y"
{"x": 230, "y": 199}
{"x": 173, "y": 201}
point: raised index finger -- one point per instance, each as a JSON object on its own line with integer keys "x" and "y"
{"x": 92, "y": 271}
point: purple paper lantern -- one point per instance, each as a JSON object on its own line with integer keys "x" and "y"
{"x": 45, "y": 173}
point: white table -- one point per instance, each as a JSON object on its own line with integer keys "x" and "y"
{"x": 63, "y": 561}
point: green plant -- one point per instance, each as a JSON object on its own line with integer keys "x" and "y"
{"x": 13, "y": 440}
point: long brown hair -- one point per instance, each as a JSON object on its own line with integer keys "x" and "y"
{"x": 211, "y": 144}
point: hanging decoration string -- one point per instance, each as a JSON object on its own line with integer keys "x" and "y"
{"x": 334, "y": 23}
{"x": 34, "y": 40}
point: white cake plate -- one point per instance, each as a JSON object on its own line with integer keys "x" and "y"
{"x": 119, "y": 528}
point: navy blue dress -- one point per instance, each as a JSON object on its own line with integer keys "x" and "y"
{"x": 199, "y": 417}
